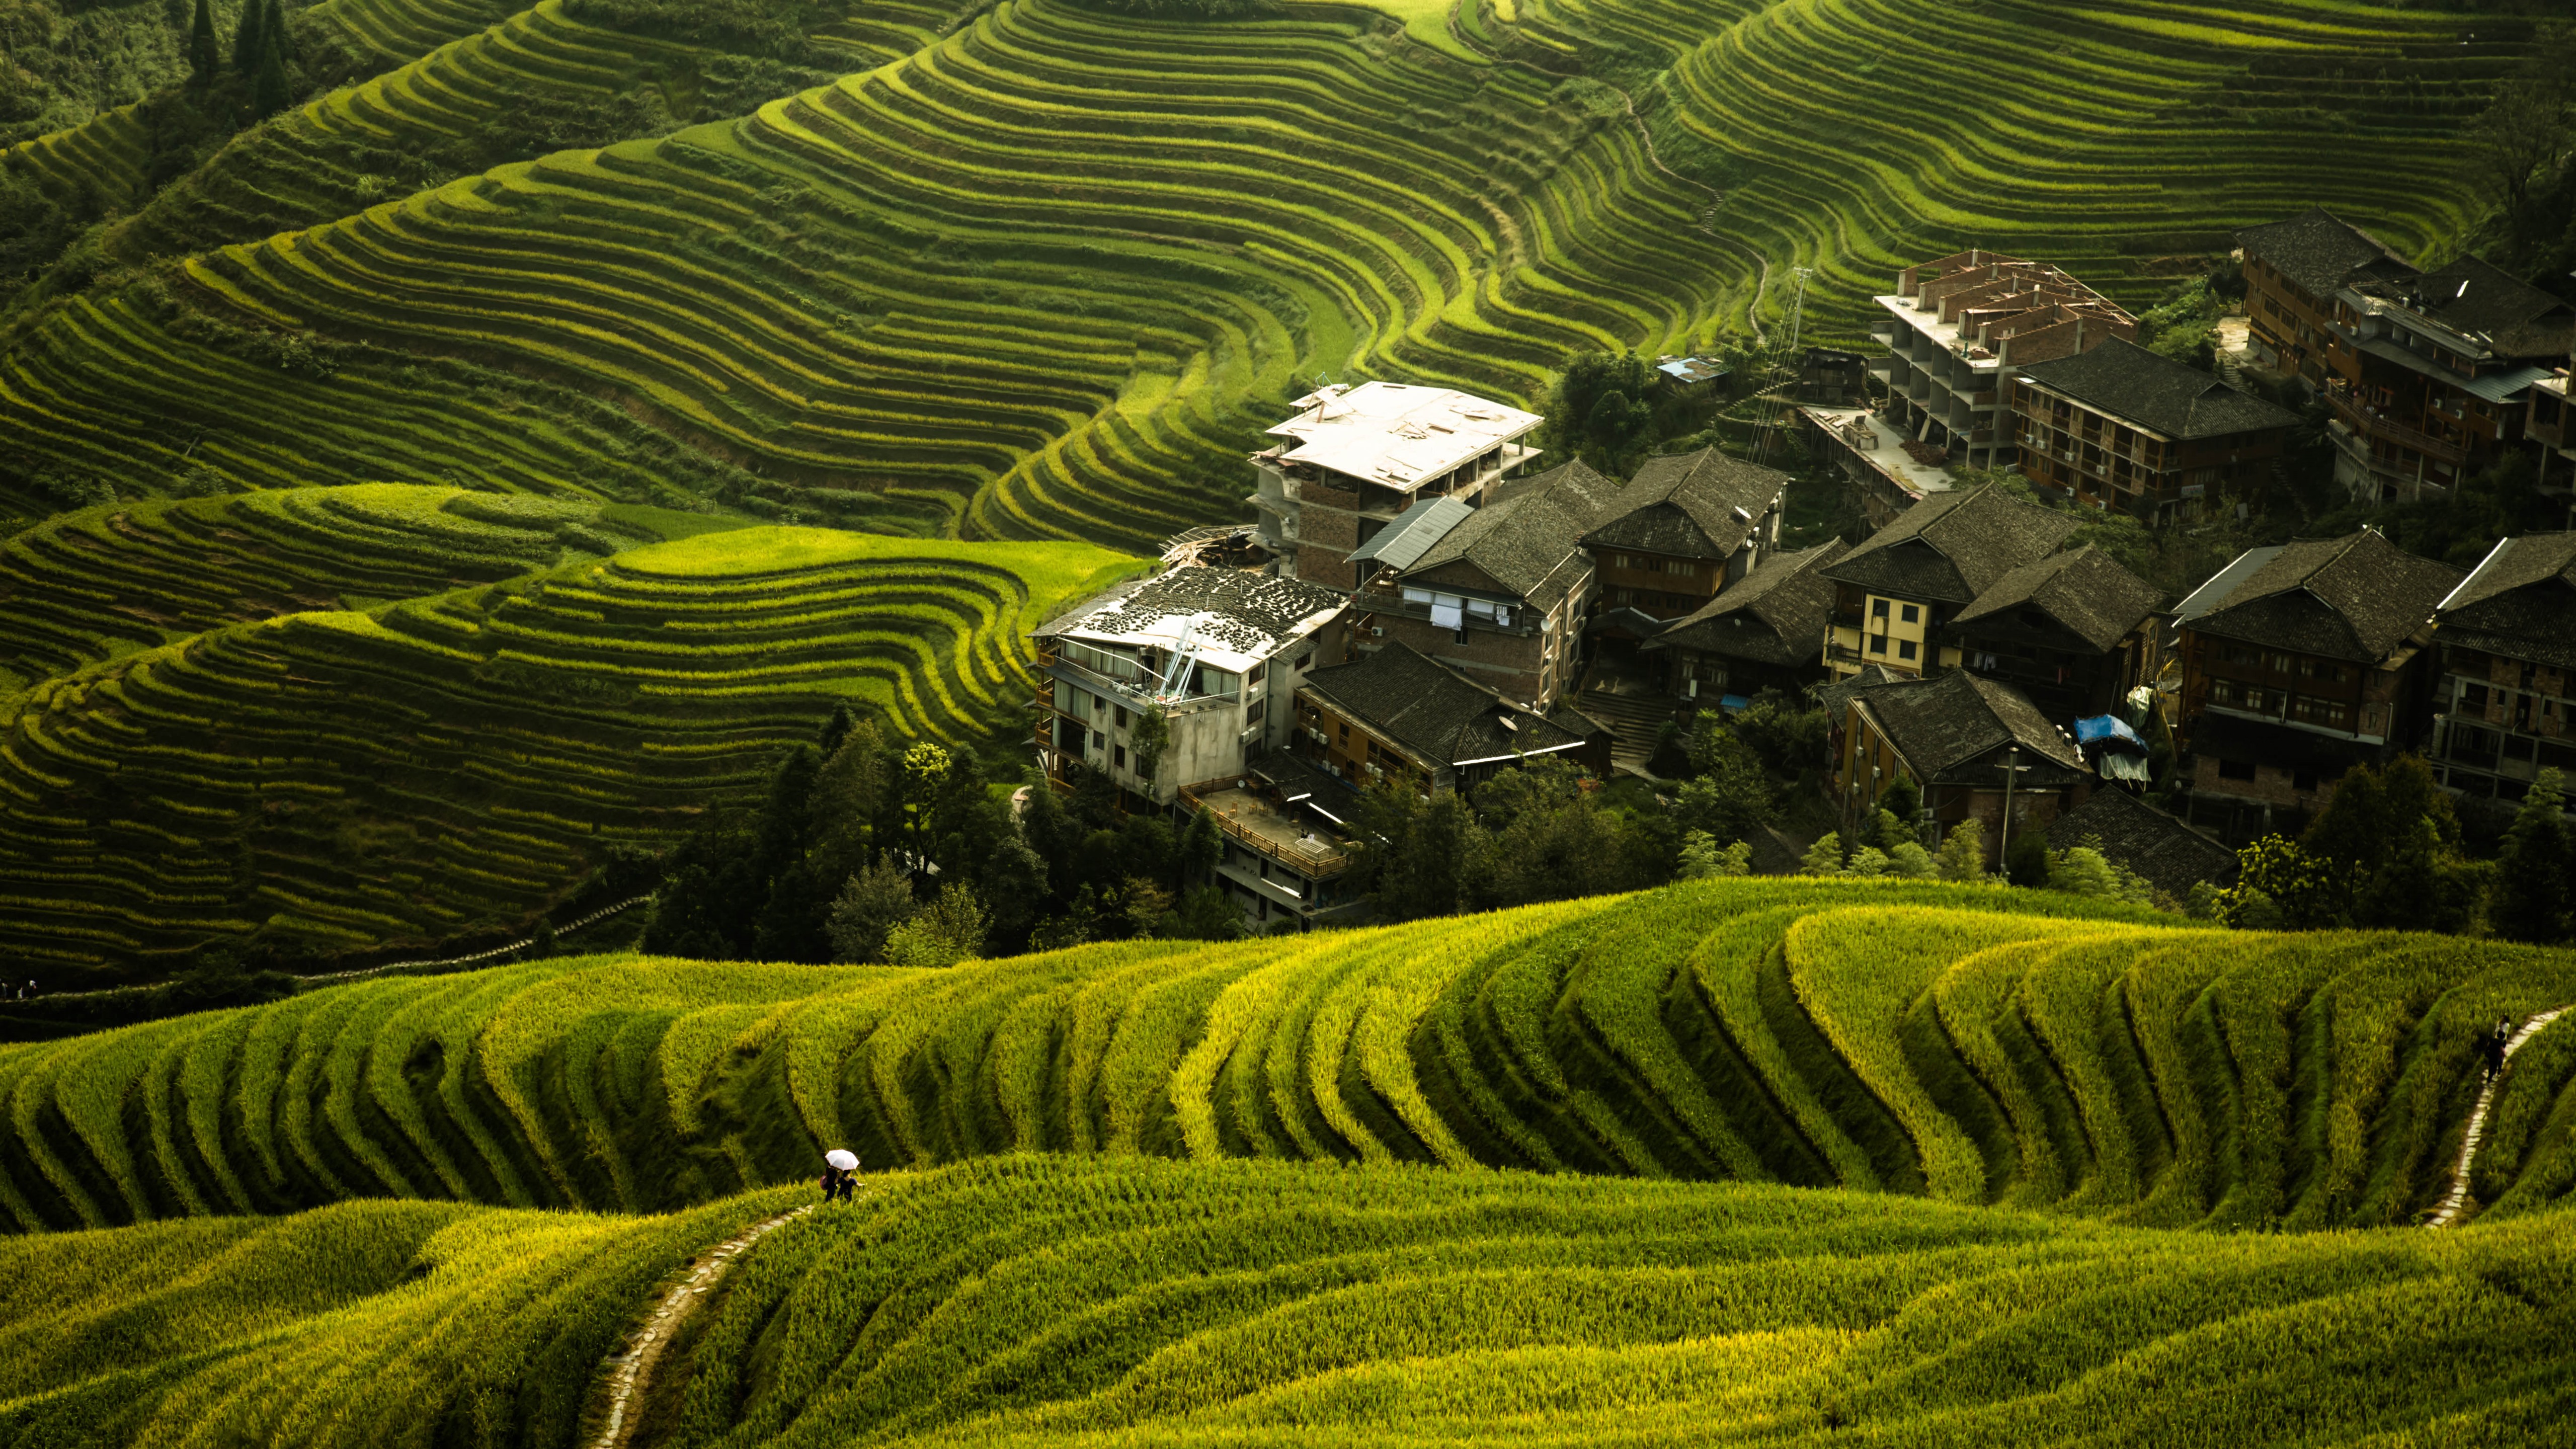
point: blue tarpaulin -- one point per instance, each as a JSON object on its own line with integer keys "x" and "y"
{"x": 2108, "y": 730}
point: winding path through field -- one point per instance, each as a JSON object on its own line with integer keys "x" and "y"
{"x": 2449, "y": 1212}
{"x": 634, "y": 1375}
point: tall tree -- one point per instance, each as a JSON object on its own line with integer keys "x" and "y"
{"x": 1410, "y": 851}
{"x": 250, "y": 37}
{"x": 269, "y": 90}
{"x": 205, "y": 56}
{"x": 2531, "y": 900}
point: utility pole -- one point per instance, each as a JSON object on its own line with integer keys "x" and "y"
{"x": 2012, "y": 768}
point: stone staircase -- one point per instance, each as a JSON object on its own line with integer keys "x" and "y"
{"x": 1634, "y": 718}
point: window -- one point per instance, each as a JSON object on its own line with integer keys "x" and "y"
{"x": 1119, "y": 755}
{"x": 1904, "y": 648}
{"x": 1877, "y": 643}
{"x": 1680, "y": 566}
{"x": 2236, "y": 769}
{"x": 2303, "y": 780}
{"x": 1878, "y": 608}
{"x": 1981, "y": 661}
{"x": 1346, "y": 735}
{"x": 1259, "y": 673}
{"x": 1253, "y": 716}
{"x": 1912, "y": 614}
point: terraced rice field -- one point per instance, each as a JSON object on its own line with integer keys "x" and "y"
{"x": 1054, "y": 1301}
{"x": 381, "y": 716}
{"x": 1921, "y": 1040}
{"x": 1039, "y": 271}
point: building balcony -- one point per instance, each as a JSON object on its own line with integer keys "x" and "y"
{"x": 2376, "y": 428}
{"x": 1250, "y": 818}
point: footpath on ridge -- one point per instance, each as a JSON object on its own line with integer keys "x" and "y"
{"x": 633, "y": 1377}
{"x": 2449, "y": 1212}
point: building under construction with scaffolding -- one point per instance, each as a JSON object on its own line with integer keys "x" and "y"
{"x": 1960, "y": 328}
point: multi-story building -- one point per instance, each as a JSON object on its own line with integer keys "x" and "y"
{"x": 1286, "y": 852}
{"x": 1499, "y": 591}
{"x": 1968, "y": 744}
{"x": 2551, "y": 427}
{"x": 1957, "y": 329}
{"x": 2074, "y": 632}
{"x": 2300, "y": 661}
{"x": 2120, "y": 427}
{"x": 2501, "y": 708}
{"x": 1896, "y": 593}
{"x": 1685, "y": 528}
{"x": 1403, "y": 717}
{"x": 1355, "y": 458}
{"x": 1221, "y": 652}
{"x": 2430, "y": 376}
{"x": 1767, "y": 632}
{"x": 2293, "y": 269}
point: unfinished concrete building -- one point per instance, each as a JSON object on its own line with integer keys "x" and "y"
{"x": 1959, "y": 328}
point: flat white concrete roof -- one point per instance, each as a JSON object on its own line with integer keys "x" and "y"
{"x": 1888, "y": 457}
{"x": 1946, "y": 334}
{"x": 1398, "y": 435}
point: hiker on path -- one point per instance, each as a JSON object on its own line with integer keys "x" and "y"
{"x": 840, "y": 1174}
{"x": 2491, "y": 1046}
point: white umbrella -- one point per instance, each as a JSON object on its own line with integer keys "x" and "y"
{"x": 842, "y": 1158}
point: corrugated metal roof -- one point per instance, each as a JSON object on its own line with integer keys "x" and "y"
{"x": 2214, "y": 593}
{"x": 1413, "y": 533}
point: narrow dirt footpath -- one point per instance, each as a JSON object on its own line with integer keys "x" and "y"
{"x": 2449, "y": 1212}
{"x": 634, "y": 1374}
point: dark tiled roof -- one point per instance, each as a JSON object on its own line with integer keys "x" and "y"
{"x": 1255, "y": 612}
{"x": 2357, "y": 597}
{"x": 2472, "y": 297}
{"x": 1432, "y": 710}
{"x": 2157, "y": 393}
{"x": 2086, "y": 591}
{"x": 1774, "y": 615}
{"x": 1838, "y": 694}
{"x": 2171, "y": 855}
{"x": 1525, "y": 539}
{"x": 2319, "y": 252}
{"x": 1945, "y": 723}
{"x": 1952, "y": 547}
{"x": 1693, "y": 505}
{"x": 2519, "y": 602}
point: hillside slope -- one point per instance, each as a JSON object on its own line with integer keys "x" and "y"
{"x": 1933, "y": 1040}
{"x": 1053, "y": 1301}
{"x": 1039, "y": 271}
{"x": 377, "y": 716}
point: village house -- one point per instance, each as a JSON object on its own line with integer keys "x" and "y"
{"x": 1498, "y": 592}
{"x": 1958, "y": 329}
{"x": 2300, "y": 661}
{"x": 2430, "y": 376}
{"x": 1355, "y": 458}
{"x": 1767, "y": 632}
{"x": 1402, "y": 717}
{"x": 2121, "y": 427}
{"x": 1685, "y": 528}
{"x": 1973, "y": 747}
{"x": 2551, "y": 427}
{"x": 1286, "y": 853}
{"x": 2073, "y": 631}
{"x": 2508, "y": 671}
{"x": 1220, "y": 652}
{"x": 1896, "y": 593}
{"x": 2293, "y": 269}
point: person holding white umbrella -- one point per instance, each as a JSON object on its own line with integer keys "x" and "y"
{"x": 840, "y": 1174}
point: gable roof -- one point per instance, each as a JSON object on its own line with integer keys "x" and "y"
{"x": 2171, "y": 855}
{"x": 2086, "y": 590}
{"x": 1694, "y": 505}
{"x": 2320, "y": 252}
{"x": 2469, "y": 296}
{"x": 2156, "y": 393}
{"x": 1952, "y": 547}
{"x": 1433, "y": 711}
{"x": 1951, "y": 721}
{"x": 1774, "y": 615}
{"x": 2520, "y": 601}
{"x": 1524, "y": 540}
{"x": 2357, "y": 597}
